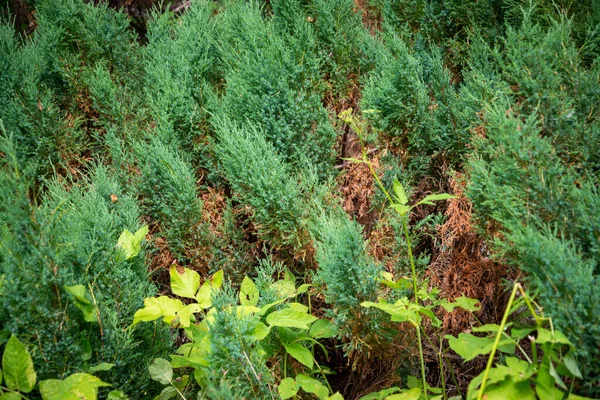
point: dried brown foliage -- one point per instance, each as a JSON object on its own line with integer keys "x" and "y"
{"x": 463, "y": 266}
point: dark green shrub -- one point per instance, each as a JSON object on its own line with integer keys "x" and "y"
{"x": 348, "y": 274}
{"x": 179, "y": 59}
{"x": 168, "y": 187}
{"x": 547, "y": 213}
{"x": 269, "y": 86}
{"x": 260, "y": 178}
{"x": 69, "y": 239}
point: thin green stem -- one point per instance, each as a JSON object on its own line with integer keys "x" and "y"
{"x": 497, "y": 341}
{"x": 324, "y": 376}
{"x": 442, "y": 372}
{"x": 366, "y": 160}
{"x": 422, "y": 361}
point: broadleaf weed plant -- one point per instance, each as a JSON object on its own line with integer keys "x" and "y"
{"x": 229, "y": 334}
{"x": 404, "y": 310}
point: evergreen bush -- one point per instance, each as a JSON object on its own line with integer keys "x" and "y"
{"x": 69, "y": 239}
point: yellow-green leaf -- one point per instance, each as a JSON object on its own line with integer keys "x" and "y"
{"x": 75, "y": 387}
{"x": 290, "y": 318}
{"x": 184, "y": 284}
{"x": 18, "y": 367}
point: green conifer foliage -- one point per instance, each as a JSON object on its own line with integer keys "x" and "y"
{"x": 69, "y": 239}
{"x": 272, "y": 86}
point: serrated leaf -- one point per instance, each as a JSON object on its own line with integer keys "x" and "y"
{"x": 101, "y": 367}
{"x": 19, "y": 373}
{"x": 287, "y": 388}
{"x": 184, "y": 284}
{"x": 436, "y": 197}
{"x": 300, "y": 353}
{"x": 290, "y": 318}
{"x": 311, "y": 385}
{"x": 248, "y": 293}
{"x": 323, "y": 329}
{"x": 161, "y": 371}
{"x": 400, "y": 192}
{"x": 75, "y": 387}
{"x": 78, "y": 294}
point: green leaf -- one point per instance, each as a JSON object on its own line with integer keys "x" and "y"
{"x": 10, "y": 396}
{"x": 184, "y": 284}
{"x": 284, "y": 288}
{"x": 323, "y": 329}
{"x": 462, "y": 302}
{"x": 381, "y": 394}
{"x": 203, "y": 297}
{"x": 436, "y": 197}
{"x": 468, "y": 346}
{"x": 75, "y": 387}
{"x": 217, "y": 280}
{"x": 336, "y": 396}
{"x": 546, "y": 336}
{"x": 167, "y": 393}
{"x": 185, "y": 314}
{"x": 401, "y": 209}
{"x": 313, "y": 386}
{"x": 300, "y": 353}
{"x": 161, "y": 371}
{"x": 398, "y": 312}
{"x": 509, "y": 389}
{"x": 248, "y": 293}
{"x": 156, "y": 307}
{"x": 79, "y": 295}
{"x": 101, "y": 367}
{"x": 520, "y": 333}
{"x": 412, "y": 394}
{"x": 493, "y": 328}
{"x": 545, "y": 381}
{"x": 130, "y": 243}
{"x": 571, "y": 364}
{"x": 400, "y": 192}
{"x": 260, "y": 331}
{"x": 302, "y": 288}
{"x": 86, "y": 348}
{"x": 4, "y": 335}
{"x": 117, "y": 395}
{"x": 290, "y": 318}
{"x": 288, "y": 388}
{"x": 18, "y": 367}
